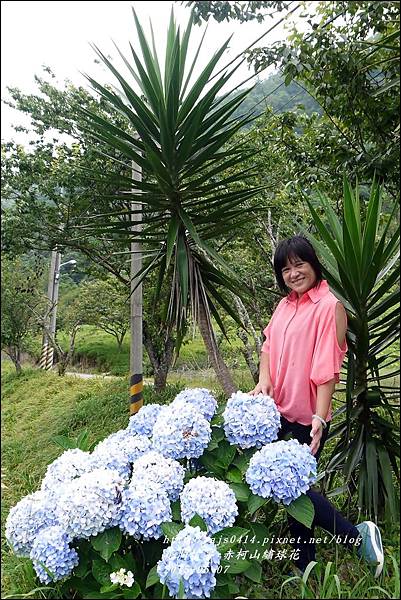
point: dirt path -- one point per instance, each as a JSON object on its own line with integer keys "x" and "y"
{"x": 146, "y": 381}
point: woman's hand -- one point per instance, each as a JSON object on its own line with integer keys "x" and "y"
{"x": 263, "y": 387}
{"x": 316, "y": 435}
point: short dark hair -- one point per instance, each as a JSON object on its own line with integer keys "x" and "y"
{"x": 295, "y": 247}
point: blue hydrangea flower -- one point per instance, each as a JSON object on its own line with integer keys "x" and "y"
{"x": 144, "y": 507}
{"x": 192, "y": 558}
{"x": 143, "y": 421}
{"x": 282, "y": 470}
{"x": 251, "y": 421}
{"x": 51, "y": 549}
{"x": 201, "y": 398}
{"x": 71, "y": 464}
{"x": 31, "y": 514}
{"x": 211, "y": 499}
{"x": 119, "y": 450}
{"x": 90, "y": 504}
{"x": 164, "y": 471}
{"x": 181, "y": 434}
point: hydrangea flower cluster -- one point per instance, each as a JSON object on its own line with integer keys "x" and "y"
{"x": 90, "y": 504}
{"x": 71, "y": 464}
{"x": 145, "y": 506}
{"x": 211, "y": 499}
{"x": 143, "y": 421}
{"x": 181, "y": 434}
{"x": 164, "y": 471}
{"x": 31, "y": 514}
{"x": 192, "y": 558}
{"x": 122, "y": 577}
{"x": 283, "y": 470}
{"x": 251, "y": 421}
{"x": 51, "y": 549}
{"x": 109, "y": 454}
{"x": 119, "y": 450}
{"x": 201, "y": 398}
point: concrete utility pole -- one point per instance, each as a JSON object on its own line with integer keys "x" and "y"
{"x": 136, "y": 349}
{"x": 47, "y": 354}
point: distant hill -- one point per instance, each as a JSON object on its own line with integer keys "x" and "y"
{"x": 280, "y": 98}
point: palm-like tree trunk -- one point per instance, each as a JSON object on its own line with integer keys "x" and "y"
{"x": 223, "y": 374}
{"x": 160, "y": 357}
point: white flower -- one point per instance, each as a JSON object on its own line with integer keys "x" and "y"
{"x": 122, "y": 577}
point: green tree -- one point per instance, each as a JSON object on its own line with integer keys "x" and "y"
{"x": 183, "y": 145}
{"x": 347, "y": 58}
{"x": 21, "y": 300}
{"x": 105, "y": 304}
{"x": 47, "y": 186}
{"x": 361, "y": 254}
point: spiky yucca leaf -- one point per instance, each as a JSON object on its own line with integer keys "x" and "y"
{"x": 179, "y": 129}
{"x": 361, "y": 266}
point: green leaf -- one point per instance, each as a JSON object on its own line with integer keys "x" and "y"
{"x": 218, "y": 434}
{"x": 132, "y": 592}
{"x": 82, "y": 569}
{"x": 234, "y": 474}
{"x": 225, "y": 454}
{"x": 223, "y": 591}
{"x": 171, "y": 237}
{"x": 64, "y": 442}
{"x": 101, "y": 571}
{"x": 254, "y": 572}
{"x": 235, "y": 566}
{"x": 372, "y": 473}
{"x": 242, "y": 460}
{"x": 229, "y": 537}
{"x": 152, "y": 577}
{"x": 197, "y": 521}
{"x": 258, "y": 538}
{"x": 107, "y": 542}
{"x": 171, "y": 529}
{"x": 255, "y": 502}
{"x": 176, "y": 510}
{"x": 302, "y": 510}
{"x": 126, "y": 561}
{"x": 82, "y": 440}
{"x": 182, "y": 268}
{"x": 386, "y": 475}
{"x": 241, "y": 491}
{"x": 106, "y": 589}
{"x": 97, "y": 595}
{"x": 181, "y": 590}
{"x": 210, "y": 462}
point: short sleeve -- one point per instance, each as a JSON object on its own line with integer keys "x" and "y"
{"x": 267, "y": 330}
{"x": 266, "y": 343}
{"x": 327, "y": 356}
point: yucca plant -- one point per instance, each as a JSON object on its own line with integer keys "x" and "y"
{"x": 179, "y": 132}
{"x": 360, "y": 255}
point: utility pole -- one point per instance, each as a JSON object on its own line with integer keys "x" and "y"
{"x": 136, "y": 349}
{"x": 46, "y": 357}
{"x": 49, "y": 329}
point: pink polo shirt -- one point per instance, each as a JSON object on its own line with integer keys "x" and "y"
{"x": 303, "y": 351}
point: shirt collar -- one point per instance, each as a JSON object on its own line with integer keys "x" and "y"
{"x": 314, "y": 294}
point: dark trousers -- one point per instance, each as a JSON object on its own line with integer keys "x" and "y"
{"x": 326, "y": 516}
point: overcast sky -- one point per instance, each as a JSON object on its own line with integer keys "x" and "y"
{"x": 58, "y": 34}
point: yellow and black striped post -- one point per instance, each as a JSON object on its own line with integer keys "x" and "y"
{"x": 47, "y": 356}
{"x": 136, "y": 393}
{"x": 136, "y": 344}
{"x": 43, "y": 355}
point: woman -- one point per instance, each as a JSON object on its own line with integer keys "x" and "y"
{"x": 299, "y": 366}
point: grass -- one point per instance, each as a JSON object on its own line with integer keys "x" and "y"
{"x": 40, "y": 405}
{"x": 97, "y": 352}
